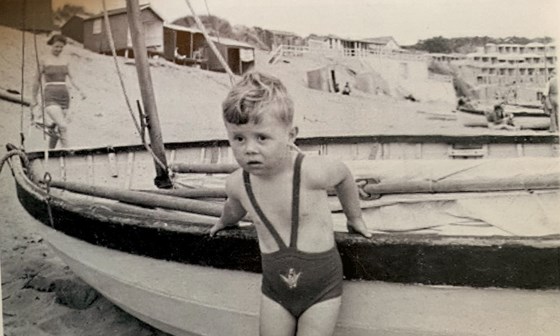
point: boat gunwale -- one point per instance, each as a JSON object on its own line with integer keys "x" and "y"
{"x": 527, "y": 138}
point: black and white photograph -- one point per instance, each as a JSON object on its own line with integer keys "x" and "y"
{"x": 279, "y": 168}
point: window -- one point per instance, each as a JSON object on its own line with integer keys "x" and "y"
{"x": 97, "y": 26}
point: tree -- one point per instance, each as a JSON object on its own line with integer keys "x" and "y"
{"x": 64, "y": 13}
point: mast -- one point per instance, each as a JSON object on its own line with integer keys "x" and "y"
{"x": 147, "y": 91}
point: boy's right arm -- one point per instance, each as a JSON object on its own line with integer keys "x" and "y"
{"x": 233, "y": 211}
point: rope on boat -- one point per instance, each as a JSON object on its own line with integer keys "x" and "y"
{"x": 11, "y": 153}
{"x": 43, "y": 126}
{"x": 47, "y": 179}
{"x": 21, "y": 136}
{"x": 125, "y": 94}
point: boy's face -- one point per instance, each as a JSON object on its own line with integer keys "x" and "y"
{"x": 261, "y": 149}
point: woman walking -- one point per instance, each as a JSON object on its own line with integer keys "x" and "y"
{"x": 52, "y": 72}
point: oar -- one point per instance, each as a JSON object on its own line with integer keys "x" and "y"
{"x": 204, "y": 168}
{"x": 190, "y": 193}
{"x": 548, "y": 181}
{"x": 13, "y": 97}
{"x": 142, "y": 198}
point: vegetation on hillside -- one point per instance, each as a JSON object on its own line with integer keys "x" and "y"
{"x": 258, "y": 37}
{"x": 64, "y": 13}
{"x": 440, "y": 44}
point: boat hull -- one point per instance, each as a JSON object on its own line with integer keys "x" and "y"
{"x": 184, "y": 299}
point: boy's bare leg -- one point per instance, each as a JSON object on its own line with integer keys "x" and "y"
{"x": 319, "y": 319}
{"x": 275, "y": 320}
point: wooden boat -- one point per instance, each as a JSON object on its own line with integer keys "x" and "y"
{"x": 147, "y": 249}
{"x": 523, "y": 117}
{"x": 149, "y": 252}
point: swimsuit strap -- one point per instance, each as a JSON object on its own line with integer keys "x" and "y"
{"x": 260, "y": 213}
{"x": 295, "y": 200}
{"x": 295, "y": 205}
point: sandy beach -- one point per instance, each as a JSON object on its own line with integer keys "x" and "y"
{"x": 40, "y": 295}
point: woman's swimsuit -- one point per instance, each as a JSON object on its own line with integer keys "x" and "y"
{"x": 295, "y": 279}
{"x": 55, "y": 91}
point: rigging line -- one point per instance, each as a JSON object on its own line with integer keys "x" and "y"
{"x": 40, "y": 76}
{"x": 21, "y": 136}
{"x": 209, "y": 18}
{"x": 211, "y": 43}
{"x": 109, "y": 33}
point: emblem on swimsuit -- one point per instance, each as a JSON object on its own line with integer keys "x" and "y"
{"x": 292, "y": 279}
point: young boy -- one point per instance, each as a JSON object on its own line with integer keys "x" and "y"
{"x": 285, "y": 195}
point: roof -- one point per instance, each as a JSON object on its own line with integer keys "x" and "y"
{"x": 281, "y": 32}
{"x": 118, "y": 11}
{"x": 81, "y": 17}
{"x": 380, "y": 40}
{"x": 230, "y": 42}
{"x": 182, "y": 28}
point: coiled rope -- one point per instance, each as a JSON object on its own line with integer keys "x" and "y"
{"x": 11, "y": 153}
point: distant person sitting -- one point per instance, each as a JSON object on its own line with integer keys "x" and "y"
{"x": 346, "y": 90}
{"x": 198, "y": 56}
{"x": 179, "y": 58}
{"x": 497, "y": 118}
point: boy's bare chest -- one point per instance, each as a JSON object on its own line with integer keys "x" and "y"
{"x": 277, "y": 201}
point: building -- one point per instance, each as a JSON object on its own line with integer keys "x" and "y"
{"x": 74, "y": 28}
{"x": 454, "y": 57}
{"x": 356, "y": 47}
{"x": 507, "y": 64}
{"x": 95, "y": 37}
{"x": 183, "y": 44}
{"x": 176, "y": 43}
{"x": 385, "y": 42}
{"x": 239, "y": 56}
{"x": 284, "y": 38}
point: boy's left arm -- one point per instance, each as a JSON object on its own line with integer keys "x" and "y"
{"x": 347, "y": 192}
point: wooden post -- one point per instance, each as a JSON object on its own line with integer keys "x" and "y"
{"x": 147, "y": 91}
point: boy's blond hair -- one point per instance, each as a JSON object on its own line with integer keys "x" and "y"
{"x": 254, "y": 95}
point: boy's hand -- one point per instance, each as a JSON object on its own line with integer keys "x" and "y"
{"x": 357, "y": 225}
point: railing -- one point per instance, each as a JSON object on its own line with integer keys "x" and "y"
{"x": 290, "y": 50}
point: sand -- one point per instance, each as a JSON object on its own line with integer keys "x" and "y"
{"x": 40, "y": 295}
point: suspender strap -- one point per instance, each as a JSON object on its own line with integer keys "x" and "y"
{"x": 260, "y": 213}
{"x": 295, "y": 201}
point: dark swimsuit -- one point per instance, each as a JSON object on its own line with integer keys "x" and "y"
{"x": 295, "y": 279}
{"x": 55, "y": 91}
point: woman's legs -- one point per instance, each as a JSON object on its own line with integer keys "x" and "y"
{"x": 275, "y": 320}
{"x": 58, "y": 116}
{"x": 319, "y": 319}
